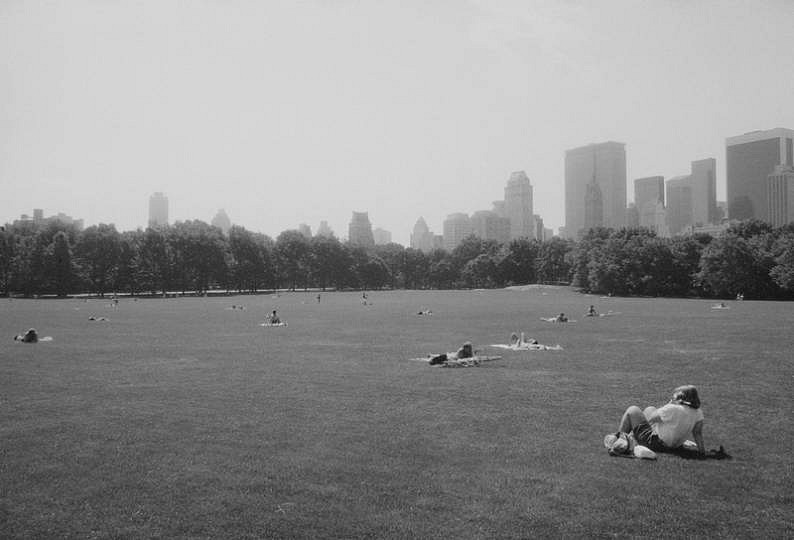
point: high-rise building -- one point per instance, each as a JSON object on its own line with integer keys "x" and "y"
{"x": 602, "y": 164}
{"x": 158, "y": 210}
{"x": 381, "y": 236}
{"x": 632, "y": 216}
{"x": 518, "y": 206}
{"x": 593, "y": 207}
{"x": 679, "y": 204}
{"x": 648, "y": 194}
{"x": 360, "y": 230}
{"x": 305, "y": 230}
{"x": 704, "y": 192}
{"x": 325, "y": 230}
{"x": 780, "y": 195}
{"x": 487, "y": 225}
{"x": 422, "y": 238}
{"x": 222, "y": 221}
{"x": 749, "y": 160}
{"x": 456, "y": 227}
{"x": 38, "y": 215}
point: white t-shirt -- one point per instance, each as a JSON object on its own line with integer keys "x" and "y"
{"x": 677, "y": 423}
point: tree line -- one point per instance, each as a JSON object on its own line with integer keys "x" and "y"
{"x": 54, "y": 258}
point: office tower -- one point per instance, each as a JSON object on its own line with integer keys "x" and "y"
{"x": 456, "y": 227}
{"x": 325, "y": 230}
{"x": 780, "y": 195}
{"x": 422, "y": 238}
{"x": 593, "y": 207}
{"x": 632, "y": 216}
{"x": 222, "y": 221}
{"x": 648, "y": 195}
{"x": 679, "y": 204}
{"x": 487, "y": 225}
{"x": 381, "y": 236}
{"x": 38, "y": 215}
{"x": 360, "y": 230}
{"x": 518, "y": 206}
{"x": 539, "y": 228}
{"x": 158, "y": 210}
{"x": 602, "y": 164}
{"x": 704, "y": 192}
{"x": 749, "y": 160}
{"x": 499, "y": 208}
{"x": 305, "y": 230}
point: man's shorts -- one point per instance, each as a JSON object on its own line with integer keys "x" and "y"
{"x": 645, "y": 436}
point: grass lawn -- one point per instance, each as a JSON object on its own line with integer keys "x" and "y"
{"x": 181, "y": 418}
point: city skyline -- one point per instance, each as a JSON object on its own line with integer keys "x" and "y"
{"x": 305, "y": 113}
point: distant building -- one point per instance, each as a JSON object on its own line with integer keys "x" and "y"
{"x": 539, "y": 228}
{"x": 158, "y": 210}
{"x": 381, "y": 237}
{"x": 750, "y": 159}
{"x": 360, "y": 230}
{"x": 325, "y": 230}
{"x": 305, "y": 230}
{"x": 780, "y": 195}
{"x": 487, "y": 225}
{"x": 548, "y": 234}
{"x": 648, "y": 192}
{"x": 499, "y": 208}
{"x": 704, "y": 191}
{"x": 632, "y": 216}
{"x": 39, "y": 219}
{"x": 593, "y": 172}
{"x": 456, "y": 227}
{"x": 518, "y": 206}
{"x": 222, "y": 221}
{"x": 422, "y": 238}
{"x": 679, "y": 204}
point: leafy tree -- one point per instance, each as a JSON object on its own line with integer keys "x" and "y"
{"x": 59, "y": 264}
{"x": 375, "y": 273}
{"x": 394, "y": 256}
{"x": 479, "y": 272}
{"x": 97, "y": 252}
{"x": 783, "y": 271}
{"x": 732, "y": 264}
{"x": 154, "y": 260}
{"x": 8, "y": 243}
{"x": 515, "y": 262}
{"x": 329, "y": 262}
{"x": 415, "y": 269}
{"x": 552, "y": 265}
{"x": 292, "y": 255}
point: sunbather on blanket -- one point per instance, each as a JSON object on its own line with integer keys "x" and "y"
{"x": 519, "y": 343}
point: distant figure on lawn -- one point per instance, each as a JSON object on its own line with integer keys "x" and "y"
{"x": 591, "y": 312}
{"x": 466, "y": 351}
{"x": 318, "y": 298}
{"x": 562, "y": 318}
{"x": 274, "y": 318}
{"x": 667, "y": 428}
{"x": 31, "y": 336}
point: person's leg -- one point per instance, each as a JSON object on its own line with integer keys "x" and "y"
{"x": 632, "y": 417}
{"x": 649, "y": 410}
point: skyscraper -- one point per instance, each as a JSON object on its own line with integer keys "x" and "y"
{"x": 305, "y": 230}
{"x": 222, "y": 221}
{"x": 456, "y": 227}
{"x": 648, "y": 196}
{"x": 602, "y": 164}
{"x": 679, "y": 203}
{"x": 158, "y": 210}
{"x": 381, "y": 236}
{"x": 749, "y": 160}
{"x": 487, "y": 225}
{"x": 360, "y": 230}
{"x": 518, "y": 206}
{"x": 421, "y": 237}
{"x": 325, "y": 230}
{"x": 704, "y": 192}
{"x": 780, "y": 195}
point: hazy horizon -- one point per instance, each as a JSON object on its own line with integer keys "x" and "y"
{"x": 285, "y": 113}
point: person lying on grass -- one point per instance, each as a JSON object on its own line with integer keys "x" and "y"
{"x": 31, "y": 336}
{"x": 466, "y": 351}
{"x": 667, "y": 428}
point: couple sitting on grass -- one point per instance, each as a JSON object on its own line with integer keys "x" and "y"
{"x": 666, "y": 429}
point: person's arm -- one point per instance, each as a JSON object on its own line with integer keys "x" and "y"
{"x": 697, "y": 433}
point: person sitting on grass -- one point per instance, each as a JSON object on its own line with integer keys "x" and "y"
{"x": 519, "y": 341}
{"x": 667, "y": 428}
{"x": 31, "y": 336}
{"x": 466, "y": 351}
{"x": 562, "y": 318}
{"x": 591, "y": 312}
{"x": 274, "y": 318}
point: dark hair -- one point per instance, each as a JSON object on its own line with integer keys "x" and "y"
{"x": 687, "y": 395}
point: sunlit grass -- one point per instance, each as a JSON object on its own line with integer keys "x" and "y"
{"x": 180, "y": 418}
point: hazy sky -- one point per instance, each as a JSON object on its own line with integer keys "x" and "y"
{"x": 291, "y": 112}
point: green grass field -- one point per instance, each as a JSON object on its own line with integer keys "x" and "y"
{"x": 180, "y": 418}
